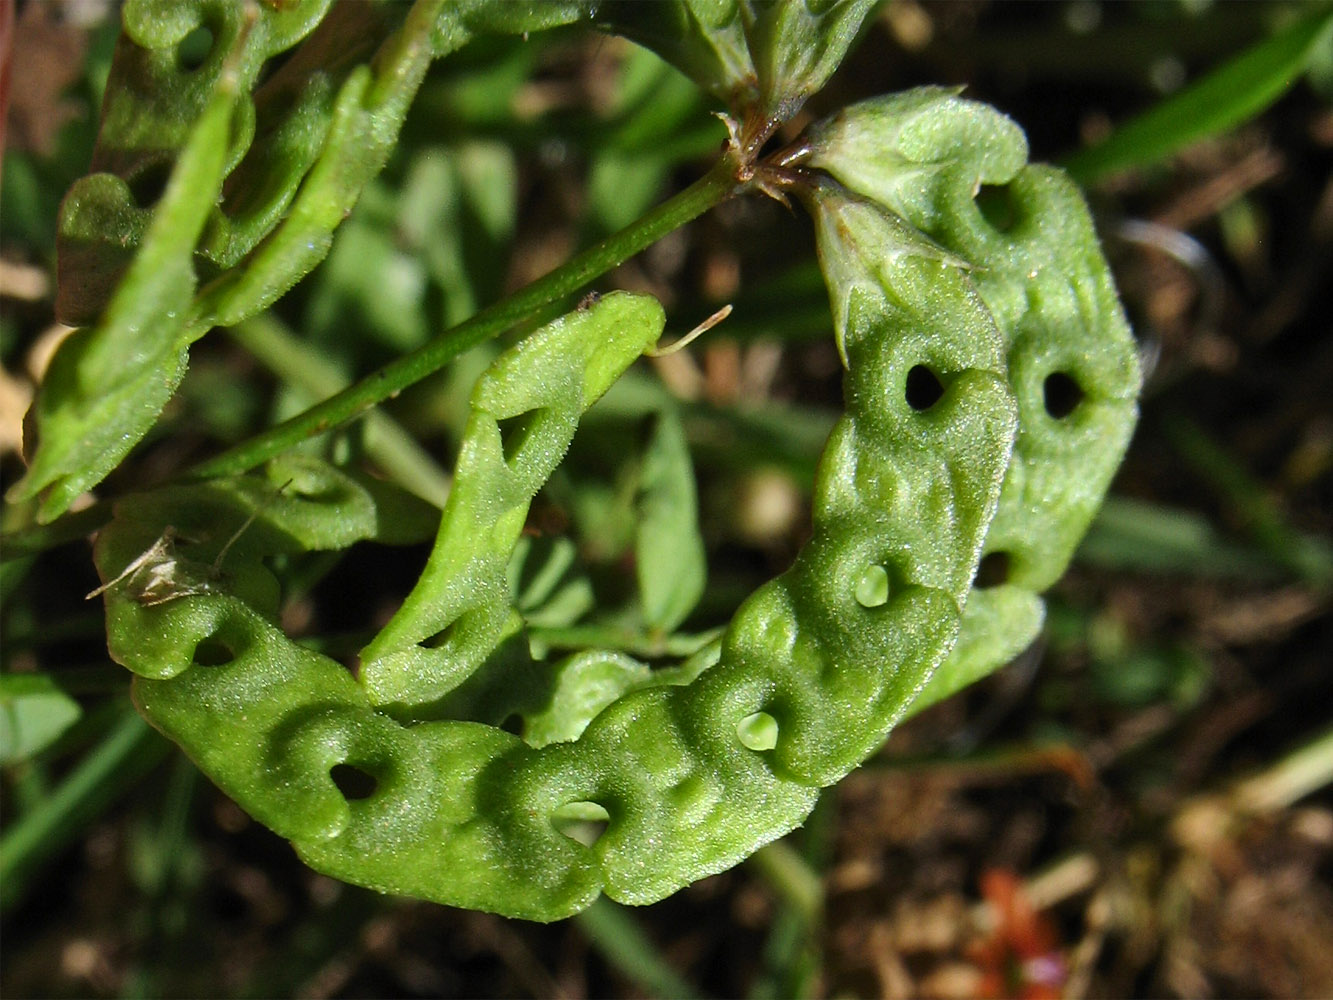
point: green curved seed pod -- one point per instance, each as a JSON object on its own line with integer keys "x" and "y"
{"x": 956, "y": 170}
{"x": 927, "y": 155}
{"x": 831, "y": 667}
{"x": 998, "y": 624}
{"x": 211, "y": 538}
{"x": 465, "y": 813}
{"x": 525, "y": 409}
{"x": 904, "y": 495}
{"x": 671, "y": 765}
{"x": 946, "y": 340}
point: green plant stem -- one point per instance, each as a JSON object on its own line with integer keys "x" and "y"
{"x": 791, "y": 876}
{"x": 792, "y": 868}
{"x": 392, "y": 448}
{"x": 624, "y": 640}
{"x": 1000, "y": 761}
{"x": 165, "y": 857}
{"x": 711, "y": 189}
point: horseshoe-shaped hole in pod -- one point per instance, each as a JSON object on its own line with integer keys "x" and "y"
{"x": 923, "y": 389}
{"x": 515, "y": 431}
{"x": 443, "y": 637}
{"x": 758, "y": 731}
{"x": 873, "y": 587}
{"x": 193, "y": 50}
{"x": 993, "y": 570}
{"x": 1061, "y": 394}
{"x": 148, "y": 183}
{"x": 211, "y": 651}
{"x": 354, "y": 782}
{"x": 996, "y": 204}
{"x": 583, "y": 822}
{"x": 276, "y": 61}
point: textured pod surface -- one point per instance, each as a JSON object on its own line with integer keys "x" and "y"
{"x": 525, "y": 409}
{"x": 686, "y": 790}
{"x": 956, "y": 170}
{"x": 949, "y": 448}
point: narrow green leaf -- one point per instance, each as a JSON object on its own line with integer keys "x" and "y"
{"x": 668, "y": 548}
{"x": 1310, "y": 558}
{"x": 1224, "y": 98}
{"x": 547, "y": 582}
{"x": 106, "y": 385}
{"x": 1150, "y": 538}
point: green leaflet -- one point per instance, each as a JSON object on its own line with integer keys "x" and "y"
{"x": 704, "y": 39}
{"x": 34, "y": 711}
{"x": 797, "y": 46}
{"x": 150, "y": 112}
{"x": 107, "y": 384}
{"x": 272, "y": 174}
{"x": 668, "y": 549}
{"x": 284, "y": 123}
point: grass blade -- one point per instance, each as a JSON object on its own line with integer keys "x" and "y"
{"x": 107, "y": 772}
{"x": 1229, "y": 95}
